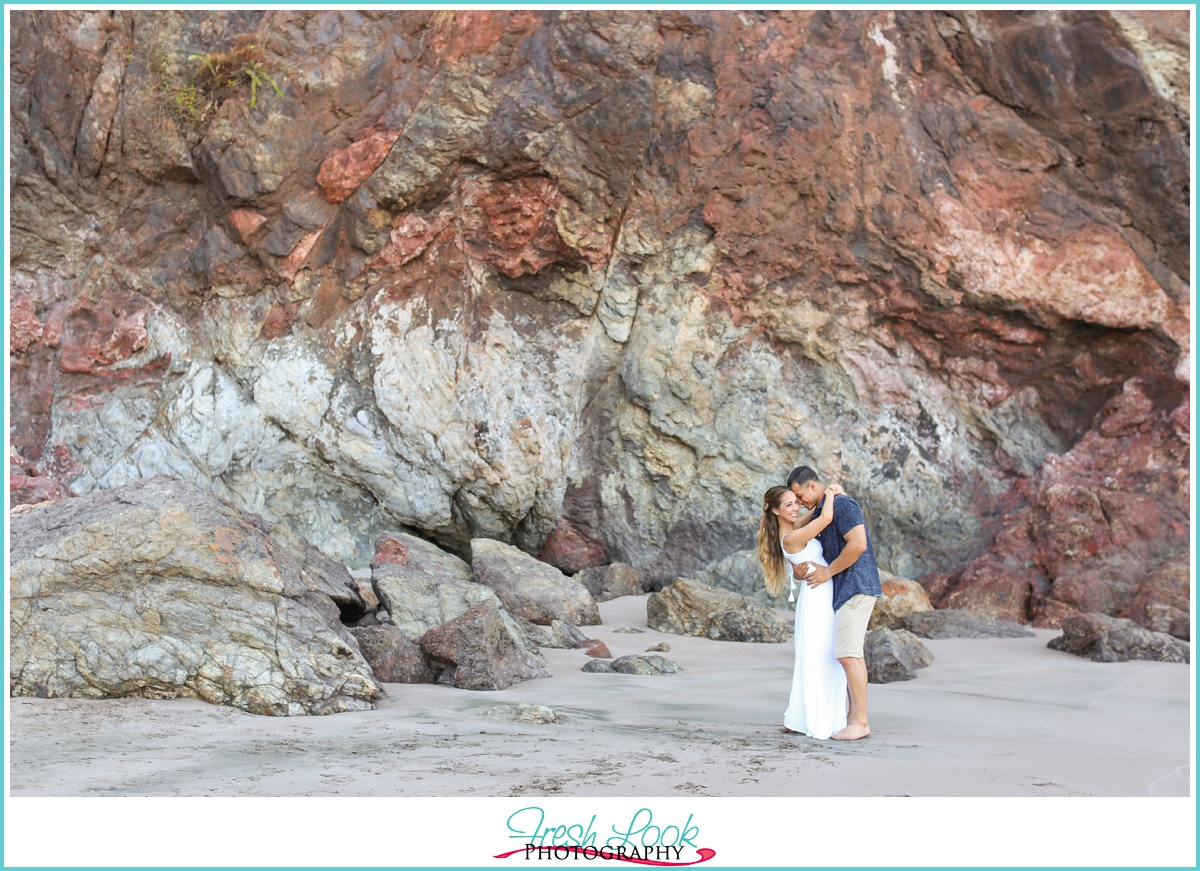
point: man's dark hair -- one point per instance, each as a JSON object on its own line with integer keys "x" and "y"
{"x": 802, "y": 475}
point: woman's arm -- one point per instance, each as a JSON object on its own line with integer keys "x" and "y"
{"x": 797, "y": 538}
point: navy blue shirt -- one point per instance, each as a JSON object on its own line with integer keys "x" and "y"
{"x": 863, "y": 576}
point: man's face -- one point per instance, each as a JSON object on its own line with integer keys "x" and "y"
{"x": 809, "y": 495}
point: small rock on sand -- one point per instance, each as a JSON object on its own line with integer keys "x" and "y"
{"x": 523, "y": 713}
{"x": 894, "y": 654}
{"x": 638, "y": 664}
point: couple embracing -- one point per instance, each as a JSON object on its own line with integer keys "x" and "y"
{"x": 816, "y": 534}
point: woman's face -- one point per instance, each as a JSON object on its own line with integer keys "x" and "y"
{"x": 789, "y": 508}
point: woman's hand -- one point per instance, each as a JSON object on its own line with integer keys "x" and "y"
{"x": 830, "y": 491}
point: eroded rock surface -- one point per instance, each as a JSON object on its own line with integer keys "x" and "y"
{"x": 160, "y": 589}
{"x": 589, "y": 281}
{"x": 688, "y": 607}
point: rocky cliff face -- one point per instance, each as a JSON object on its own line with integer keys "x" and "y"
{"x": 589, "y": 282}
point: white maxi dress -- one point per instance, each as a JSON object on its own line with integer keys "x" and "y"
{"x": 818, "y": 703}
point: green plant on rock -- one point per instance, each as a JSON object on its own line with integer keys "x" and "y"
{"x": 241, "y": 65}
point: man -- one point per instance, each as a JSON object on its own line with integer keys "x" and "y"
{"x": 855, "y": 576}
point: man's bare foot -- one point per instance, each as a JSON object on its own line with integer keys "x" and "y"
{"x": 853, "y": 732}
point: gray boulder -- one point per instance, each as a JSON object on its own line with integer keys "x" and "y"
{"x": 1112, "y": 639}
{"x": 331, "y": 577}
{"x": 688, "y": 607}
{"x": 637, "y": 663}
{"x": 611, "y": 581}
{"x": 961, "y": 624}
{"x": 400, "y": 548}
{"x": 559, "y": 635}
{"x": 393, "y": 658}
{"x": 530, "y": 589}
{"x": 598, "y": 666}
{"x": 476, "y": 651}
{"x": 417, "y": 600}
{"x": 894, "y": 654}
{"x": 161, "y": 589}
{"x": 1181, "y": 628}
{"x": 742, "y": 573}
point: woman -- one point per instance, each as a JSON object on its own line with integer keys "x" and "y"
{"x": 817, "y": 706}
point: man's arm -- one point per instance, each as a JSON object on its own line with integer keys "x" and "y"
{"x": 856, "y": 546}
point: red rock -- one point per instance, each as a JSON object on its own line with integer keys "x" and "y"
{"x": 938, "y": 585}
{"x": 246, "y": 222}
{"x": 278, "y": 322}
{"x": 1097, "y": 519}
{"x": 344, "y": 171}
{"x": 99, "y": 334}
{"x": 24, "y": 327}
{"x": 993, "y": 590}
{"x": 1126, "y": 411}
{"x": 1163, "y": 595}
{"x": 599, "y": 650}
{"x": 409, "y": 237}
{"x": 569, "y": 550}
{"x": 390, "y": 550}
{"x": 510, "y": 224}
{"x": 1181, "y": 419}
{"x": 28, "y": 484}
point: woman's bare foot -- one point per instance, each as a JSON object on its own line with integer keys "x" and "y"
{"x": 785, "y": 730}
{"x": 853, "y": 732}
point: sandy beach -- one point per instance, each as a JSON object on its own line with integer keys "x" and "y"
{"x": 990, "y": 717}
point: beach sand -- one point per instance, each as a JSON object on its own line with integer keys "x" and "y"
{"x": 990, "y": 717}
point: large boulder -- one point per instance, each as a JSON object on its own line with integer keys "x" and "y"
{"x": 530, "y": 589}
{"x": 393, "y": 657}
{"x": 961, "y": 624}
{"x": 418, "y": 600}
{"x": 476, "y": 651}
{"x": 1113, "y": 639}
{"x": 688, "y": 607}
{"x": 331, "y": 577}
{"x": 742, "y": 573}
{"x": 893, "y": 655}
{"x": 900, "y": 598}
{"x": 611, "y": 581}
{"x": 402, "y": 549}
{"x": 160, "y": 589}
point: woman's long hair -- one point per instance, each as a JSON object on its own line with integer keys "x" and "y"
{"x": 770, "y": 548}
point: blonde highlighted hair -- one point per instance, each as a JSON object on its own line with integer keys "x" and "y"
{"x": 770, "y": 546}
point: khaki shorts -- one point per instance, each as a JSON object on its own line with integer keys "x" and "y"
{"x": 850, "y": 626}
